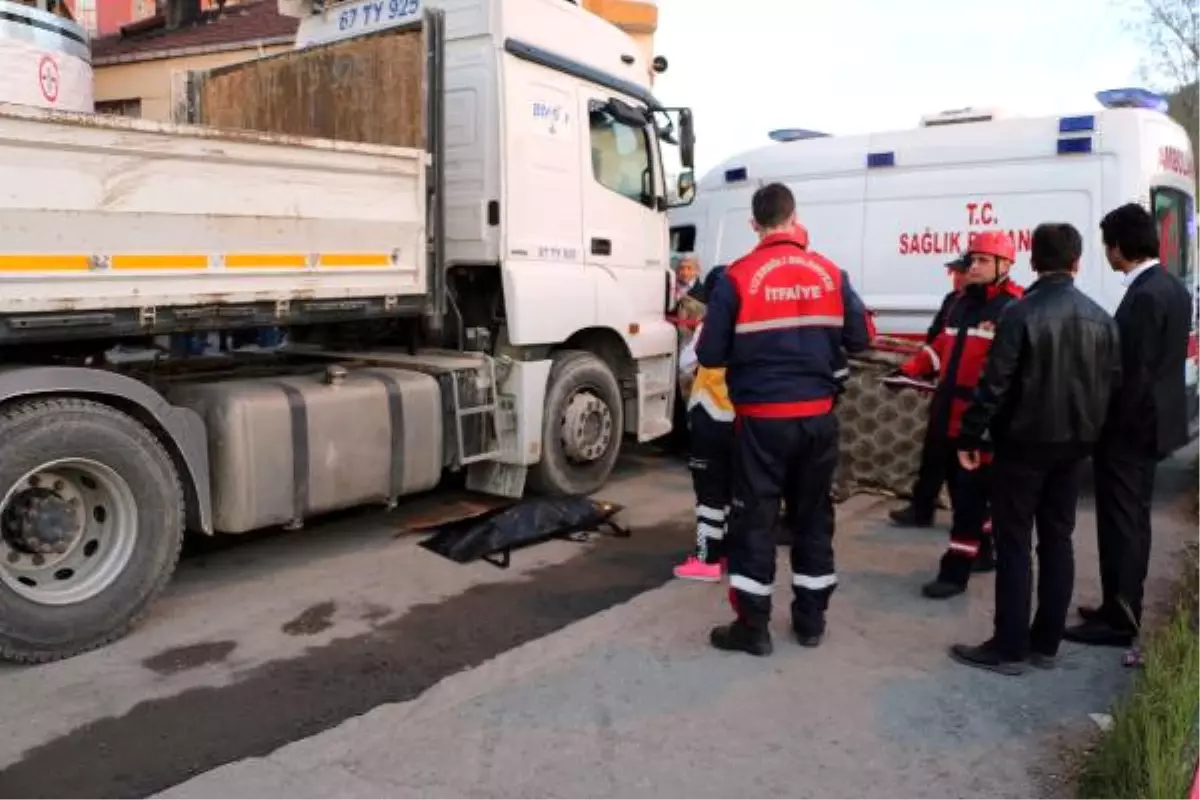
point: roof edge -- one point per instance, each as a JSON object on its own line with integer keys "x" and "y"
{"x": 196, "y": 50}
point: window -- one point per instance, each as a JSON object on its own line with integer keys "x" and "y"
{"x": 85, "y": 15}
{"x": 131, "y": 107}
{"x": 683, "y": 239}
{"x": 621, "y": 157}
{"x": 1174, "y": 213}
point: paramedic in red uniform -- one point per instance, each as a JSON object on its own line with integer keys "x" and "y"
{"x": 778, "y": 322}
{"x": 957, "y": 356}
{"x": 935, "y": 453}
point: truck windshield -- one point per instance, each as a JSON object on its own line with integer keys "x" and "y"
{"x": 1174, "y": 211}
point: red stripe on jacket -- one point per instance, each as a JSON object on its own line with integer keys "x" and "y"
{"x": 972, "y": 321}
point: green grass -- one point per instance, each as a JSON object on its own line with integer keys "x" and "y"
{"x": 1151, "y": 749}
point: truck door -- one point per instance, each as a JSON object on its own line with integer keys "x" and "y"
{"x": 624, "y": 235}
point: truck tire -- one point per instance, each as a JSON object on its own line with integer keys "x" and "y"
{"x": 91, "y": 524}
{"x": 582, "y": 426}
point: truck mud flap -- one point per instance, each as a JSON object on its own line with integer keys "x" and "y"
{"x": 494, "y": 535}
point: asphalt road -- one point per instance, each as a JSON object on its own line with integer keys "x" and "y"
{"x": 343, "y": 660}
{"x": 266, "y": 639}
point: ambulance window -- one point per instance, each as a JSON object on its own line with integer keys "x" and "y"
{"x": 1173, "y": 211}
{"x": 683, "y": 239}
{"x": 621, "y": 157}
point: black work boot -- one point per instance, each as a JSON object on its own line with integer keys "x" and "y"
{"x": 942, "y": 589}
{"x": 807, "y": 638}
{"x": 985, "y": 560}
{"x": 908, "y": 517}
{"x": 739, "y": 636}
{"x": 954, "y": 571}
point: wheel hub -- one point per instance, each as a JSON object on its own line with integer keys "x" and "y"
{"x": 67, "y": 531}
{"x": 587, "y": 427}
{"x": 41, "y": 521}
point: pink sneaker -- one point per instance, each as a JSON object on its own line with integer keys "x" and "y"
{"x": 696, "y": 570}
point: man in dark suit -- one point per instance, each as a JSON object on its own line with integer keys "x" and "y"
{"x": 1148, "y": 420}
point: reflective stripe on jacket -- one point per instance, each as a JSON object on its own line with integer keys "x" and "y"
{"x": 779, "y": 319}
{"x": 958, "y": 352}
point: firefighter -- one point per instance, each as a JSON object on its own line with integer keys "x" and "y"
{"x": 778, "y": 321}
{"x": 710, "y": 423}
{"x": 957, "y": 356}
{"x": 919, "y": 513}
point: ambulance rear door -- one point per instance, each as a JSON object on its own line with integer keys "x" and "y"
{"x": 1170, "y": 172}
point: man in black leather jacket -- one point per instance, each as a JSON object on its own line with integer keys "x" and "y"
{"x": 1051, "y": 373}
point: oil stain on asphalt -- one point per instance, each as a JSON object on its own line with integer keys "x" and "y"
{"x": 314, "y": 619}
{"x": 162, "y": 742}
{"x": 181, "y": 659}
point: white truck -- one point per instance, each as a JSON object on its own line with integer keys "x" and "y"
{"x": 432, "y": 237}
{"x": 891, "y": 208}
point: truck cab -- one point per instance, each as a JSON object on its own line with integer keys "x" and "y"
{"x": 558, "y": 167}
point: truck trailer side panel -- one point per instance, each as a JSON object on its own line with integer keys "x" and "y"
{"x": 102, "y": 213}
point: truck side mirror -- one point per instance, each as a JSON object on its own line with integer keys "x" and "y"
{"x": 687, "y": 139}
{"x": 685, "y": 188}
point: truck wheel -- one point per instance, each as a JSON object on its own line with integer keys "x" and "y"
{"x": 582, "y": 426}
{"x": 91, "y": 523}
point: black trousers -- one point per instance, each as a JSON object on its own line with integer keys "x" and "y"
{"x": 969, "y": 500}
{"x": 711, "y": 465}
{"x": 935, "y": 455}
{"x": 1124, "y": 490}
{"x": 792, "y": 460}
{"x": 1027, "y": 489}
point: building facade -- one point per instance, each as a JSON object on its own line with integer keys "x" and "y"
{"x": 139, "y": 71}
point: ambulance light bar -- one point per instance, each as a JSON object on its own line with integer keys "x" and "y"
{"x": 1132, "y": 98}
{"x": 1077, "y": 124}
{"x": 735, "y": 175}
{"x": 794, "y": 135}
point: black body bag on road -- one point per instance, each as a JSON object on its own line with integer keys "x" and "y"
{"x": 494, "y": 534}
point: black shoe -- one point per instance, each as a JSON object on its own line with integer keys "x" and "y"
{"x": 740, "y": 637}
{"x": 907, "y": 517}
{"x": 940, "y": 590}
{"x": 1043, "y": 661}
{"x": 1100, "y": 634}
{"x": 985, "y": 656}
{"x": 1115, "y": 618}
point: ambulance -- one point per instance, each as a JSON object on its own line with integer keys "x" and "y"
{"x": 892, "y": 208}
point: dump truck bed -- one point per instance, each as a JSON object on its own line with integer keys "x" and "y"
{"x": 104, "y": 213}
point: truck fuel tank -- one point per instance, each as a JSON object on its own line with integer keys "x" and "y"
{"x": 285, "y": 448}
